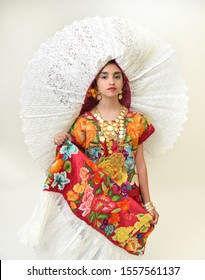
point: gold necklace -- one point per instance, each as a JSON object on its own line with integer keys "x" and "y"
{"x": 112, "y": 131}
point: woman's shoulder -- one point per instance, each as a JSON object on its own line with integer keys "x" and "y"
{"x": 137, "y": 116}
{"x": 132, "y": 113}
{"x": 85, "y": 116}
{"x": 83, "y": 120}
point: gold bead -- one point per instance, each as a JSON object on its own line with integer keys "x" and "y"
{"x": 102, "y": 138}
{"x": 109, "y": 128}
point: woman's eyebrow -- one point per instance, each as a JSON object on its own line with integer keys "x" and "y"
{"x": 106, "y": 73}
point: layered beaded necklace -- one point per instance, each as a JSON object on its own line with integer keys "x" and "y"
{"x": 112, "y": 131}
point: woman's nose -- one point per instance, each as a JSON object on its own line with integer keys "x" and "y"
{"x": 111, "y": 80}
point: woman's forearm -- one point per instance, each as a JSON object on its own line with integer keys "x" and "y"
{"x": 142, "y": 175}
{"x": 143, "y": 183}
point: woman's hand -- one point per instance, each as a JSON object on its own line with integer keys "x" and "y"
{"x": 60, "y": 138}
{"x": 155, "y": 216}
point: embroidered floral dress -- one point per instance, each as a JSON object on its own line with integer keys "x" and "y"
{"x": 101, "y": 189}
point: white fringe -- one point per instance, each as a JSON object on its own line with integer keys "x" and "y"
{"x": 56, "y": 233}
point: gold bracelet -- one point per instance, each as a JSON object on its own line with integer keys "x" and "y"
{"x": 149, "y": 206}
{"x": 150, "y": 209}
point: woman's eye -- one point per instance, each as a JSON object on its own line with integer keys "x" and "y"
{"x": 117, "y": 77}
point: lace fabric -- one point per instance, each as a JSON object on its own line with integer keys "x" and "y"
{"x": 62, "y": 69}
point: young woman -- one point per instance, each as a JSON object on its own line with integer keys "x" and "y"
{"x": 100, "y": 169}
{"x": 96, "y": 203}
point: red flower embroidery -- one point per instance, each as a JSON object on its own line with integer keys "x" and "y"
{"x": 104, "y": 204}
{"x": 96, "y": 178}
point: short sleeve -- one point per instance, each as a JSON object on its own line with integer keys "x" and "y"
{"x": 147, "y": 129}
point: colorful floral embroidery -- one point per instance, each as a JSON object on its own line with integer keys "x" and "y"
{"x": 60, "y": 180}
{"x": 122, "y": 234}
{"x": 114, "y": 166}
{"x": 79, "y": 128}
{"x": 68, "y": 150}
{"x": 99, "y": 188}
{"x": 87, "y": 201}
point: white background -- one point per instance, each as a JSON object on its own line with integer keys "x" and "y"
{"x": 176, "y": 178}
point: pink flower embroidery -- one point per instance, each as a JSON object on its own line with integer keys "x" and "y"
{"x": 87, "y": 201}
{"x": 84, "y": 173}
{"x": 104, "y": 204}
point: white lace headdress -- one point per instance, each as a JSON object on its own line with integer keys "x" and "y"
{"x": 62, "y": 69}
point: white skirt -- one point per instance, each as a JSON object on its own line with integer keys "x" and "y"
{"x": 56, "y": 233}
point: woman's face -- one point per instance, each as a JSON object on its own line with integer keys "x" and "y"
{"x": 110, "y": 81}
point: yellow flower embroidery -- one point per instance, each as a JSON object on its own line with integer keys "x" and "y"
{"x": 79, "y": 188}
{"x": 115, "y": 167}
{"x": 117, "y": 160}
{"x": 143, "y": 221}
{"x": 120, "y": 178}
{"x": 107, "y": 167}
{"x": 122, "y": 233}
{"x": 146, "y": 219}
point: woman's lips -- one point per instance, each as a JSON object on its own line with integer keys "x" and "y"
{"x": 112, "y": 88}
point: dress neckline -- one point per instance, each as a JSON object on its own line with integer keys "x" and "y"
{"x": 95, "y": 110}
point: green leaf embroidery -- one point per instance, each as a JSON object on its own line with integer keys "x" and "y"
{"x": 114, "y": 237}
{"x": 116, "y": 210}
{"x": 145, "y": 121}
{"x": 116, "y": 197}
{"x": 67, "y": 166}
{"x": 102, "y": 216}
{"x": 143, "y": 229}
{"x": 77, "y": 201}
{"x": 128, "y": 138}
{"x": 92, "y": 216}
{"x": 98, "y": 190}
{"x": 132, "y": 175}
{"x": 107, "y": 181}
{"x": 47, "y": 182}
{"x": 139, "y": 216}
{"x": 96, "y": 139}
{"x": 128, "y": 120}
{"x": 110, "y": 192}
{"x": 104, "y": 188}
{"x": 91, "y": 183}
{"x": 89, "y": 169}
